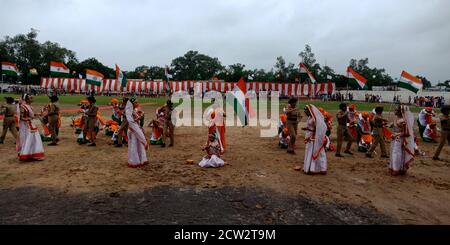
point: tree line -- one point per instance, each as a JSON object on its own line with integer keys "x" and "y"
{"x": 27, "y": 52}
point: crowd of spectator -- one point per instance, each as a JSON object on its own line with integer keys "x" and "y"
{"x": 436, "y": 102}
{"x": 373, "y": 98}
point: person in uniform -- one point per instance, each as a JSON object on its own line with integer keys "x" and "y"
{"x": 378, "y": 133}
{"x": 92, "y": 119}
{"x": 445, "y": 133}
{"x": 342, "y": 131}
{"x": 9, "y": 122}
{"x": 53, "y": 119}
{"x": 124, "y": 124}
{"x": 168, "y": 124}
{"x": 293, "y": 118}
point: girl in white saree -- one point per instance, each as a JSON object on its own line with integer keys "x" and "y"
{"x": 29, "y": 144}
{"x": 137, "y": 143}
{"x": 402, "y": 146}
{"x": 315, "y": 139}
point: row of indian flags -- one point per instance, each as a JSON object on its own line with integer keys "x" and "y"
{"x": 58, "y": 69}
{"x": 407, "y": 81}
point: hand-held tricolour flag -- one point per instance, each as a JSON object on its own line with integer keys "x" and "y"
{"x": 58, "y": 69}
{"x": 9, "y": 68}
{"x": 242, "y": 106}
{"x": 304, "y": 69}
{"x": 120, "y": 77}
{"x": 410, "y": 82}
{"x": 356, "y": 78}
{"x": 94, "y": 77}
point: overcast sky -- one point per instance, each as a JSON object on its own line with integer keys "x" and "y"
{"x": 413, "y": 35}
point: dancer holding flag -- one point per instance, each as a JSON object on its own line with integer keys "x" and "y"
{"x": 137, "y": 143}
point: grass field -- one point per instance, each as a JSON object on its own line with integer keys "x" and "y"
{"x": 104, "y": 100}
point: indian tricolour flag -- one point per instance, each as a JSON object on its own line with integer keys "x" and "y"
{"x": 356, "y": 78}
{"x": 410, "y": 82}
{"x": 120, "y": 77}
{"x": 304, "y": 69}
{"x": 58, "y": 69}
{"x": 9, "y": 68}
{"x": 242, "y": 104}
{"x": 94, "y": 77}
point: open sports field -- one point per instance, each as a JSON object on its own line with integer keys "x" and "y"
{"x": 82, "y": 185}
{"x": 105, "y": 100}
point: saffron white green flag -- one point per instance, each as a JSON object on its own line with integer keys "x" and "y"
{"x": 58, "y": 69}
{"x": 304, "y": 69}
{"x": 94, "y": 77}
{"x": 410, "y": 82}
{"x": 120, "y": 77}
{"x": 356, "y": 78}
{"x": 9, "y": 68}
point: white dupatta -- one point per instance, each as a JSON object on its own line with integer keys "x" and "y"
{"x": 409, "y": 140}
{"x": 320, "y": 133}
{"x": 133, "y": 126}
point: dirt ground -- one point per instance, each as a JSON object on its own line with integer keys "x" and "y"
{"x": 76, "y": 184}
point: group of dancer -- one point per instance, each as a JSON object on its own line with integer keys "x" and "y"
{"x": 369, "y": 129}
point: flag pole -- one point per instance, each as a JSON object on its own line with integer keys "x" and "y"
{"x": 348, "y": 79}
{"x": 395, "y": 94}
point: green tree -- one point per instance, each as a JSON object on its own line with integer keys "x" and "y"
{"x": 26, "y": 51}
{"x": 307, "y": 56}
{"x": 235, "y": 72}
{"x": 374, "y": 76}
{"x": 281, "y": 71}
{"x": 195, "y": 66}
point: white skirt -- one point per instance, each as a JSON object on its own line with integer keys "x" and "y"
{"x": 29, "y": 145}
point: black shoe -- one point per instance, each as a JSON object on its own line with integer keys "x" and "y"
{"x": 52, "y": 144}
{"x": 171, "y": 145}
{"x": 163, "y": 145}
{"x": 118, "y": 145}
{"x": 348, "y": 152}
{"x": 436, "y": 159}
{"x": 1, "y": 142}
{"x": 339, "y": 155}
{"x": 92, "y": 144}
{"x": 291, "y": 152}
{"x": 369, "y": 156}
{"x": 385, "y": 156}
{"x": 83, "y": 142}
